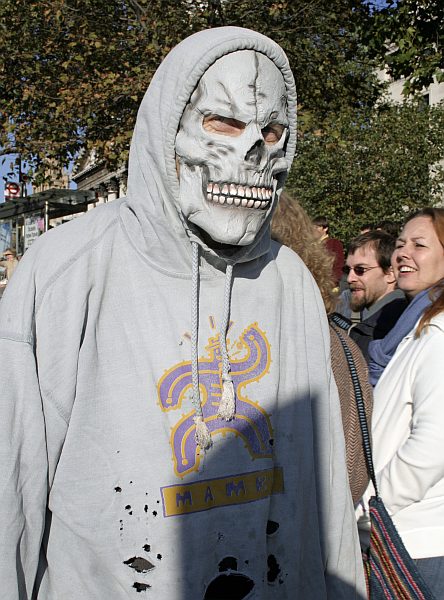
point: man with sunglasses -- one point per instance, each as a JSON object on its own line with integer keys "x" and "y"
{"x": 372, "y": 288}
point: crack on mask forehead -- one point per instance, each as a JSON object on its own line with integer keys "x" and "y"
{"x": 278, "y": 112}
{"x": 256, "y": 78}
{"x": 220, "y": 92}
{"x": 232, "y": 105}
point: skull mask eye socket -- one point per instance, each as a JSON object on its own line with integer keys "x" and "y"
{"x": 231, "y": 127}
{"x": 223, "y": 125}
{"x": 272, "y": 133}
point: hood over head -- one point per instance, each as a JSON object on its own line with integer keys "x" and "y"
{"x": 163, "y": 215}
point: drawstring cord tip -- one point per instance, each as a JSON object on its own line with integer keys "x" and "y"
{"x": 227, "y": 405}
{"x": 202, "y": 435}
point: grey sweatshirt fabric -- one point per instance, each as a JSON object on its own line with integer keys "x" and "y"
{"x": 104, "y": 494}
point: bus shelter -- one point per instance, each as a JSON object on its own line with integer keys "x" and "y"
{"x": 22, "y": 220}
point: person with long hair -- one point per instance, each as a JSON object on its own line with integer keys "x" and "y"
{"x": 293, "y": 227}
{"x": 408, "y": 417}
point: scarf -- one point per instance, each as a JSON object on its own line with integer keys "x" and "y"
{"x": 381, "y": 351}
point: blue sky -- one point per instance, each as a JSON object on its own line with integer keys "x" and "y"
{"x": 378, "y": 3}
{"x": 4, "y": 168}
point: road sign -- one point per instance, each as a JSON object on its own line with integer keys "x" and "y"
{"x": 12, "y": 190}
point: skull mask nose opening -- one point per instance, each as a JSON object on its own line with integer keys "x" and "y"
{"x": 256, "y": 153}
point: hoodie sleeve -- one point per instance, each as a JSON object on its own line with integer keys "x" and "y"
{"x": 23, "y": 468}
{"x": 39, "y": 341}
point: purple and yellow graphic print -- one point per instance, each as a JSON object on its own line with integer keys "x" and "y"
{"x": 250, "y": 361}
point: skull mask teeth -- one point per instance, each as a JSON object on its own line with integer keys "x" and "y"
{"x": 230, "y": 146}
{"x": 239, "y": 195}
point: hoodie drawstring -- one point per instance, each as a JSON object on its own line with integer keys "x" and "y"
{"x": 203, "y": 436}
{"x": 227, "y": 405}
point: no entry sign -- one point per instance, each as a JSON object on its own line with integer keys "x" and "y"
{"x": 12, "y": 190}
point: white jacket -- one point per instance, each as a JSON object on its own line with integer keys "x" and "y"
{"x": 408, "y": 440}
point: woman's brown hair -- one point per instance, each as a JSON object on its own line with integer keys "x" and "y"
{"x": 293, "y": 227}
{"x": 436, "y": 215}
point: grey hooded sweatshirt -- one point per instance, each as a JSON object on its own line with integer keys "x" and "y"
{"x": 104, "y": 494}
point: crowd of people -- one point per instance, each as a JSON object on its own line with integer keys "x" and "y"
{"x": 178, "y": 415}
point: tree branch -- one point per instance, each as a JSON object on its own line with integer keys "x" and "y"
{"x": 138, "y": 11}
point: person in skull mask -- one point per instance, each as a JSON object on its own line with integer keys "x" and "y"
{"x": 174, "y": 427}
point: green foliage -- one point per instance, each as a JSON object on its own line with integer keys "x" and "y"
{"x": 408, "y": 36}
{"x": 75, "y": 71}
{"x": 321, "y": 40}
{"x": 371, "y": 165}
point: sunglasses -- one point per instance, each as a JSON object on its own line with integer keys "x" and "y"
{"x": 359, "y": 271}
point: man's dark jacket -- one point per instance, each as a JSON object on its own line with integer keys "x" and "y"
{"x": 380, "y": 320}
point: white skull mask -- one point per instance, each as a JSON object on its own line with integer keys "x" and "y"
{"x": 230, "y": 147}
